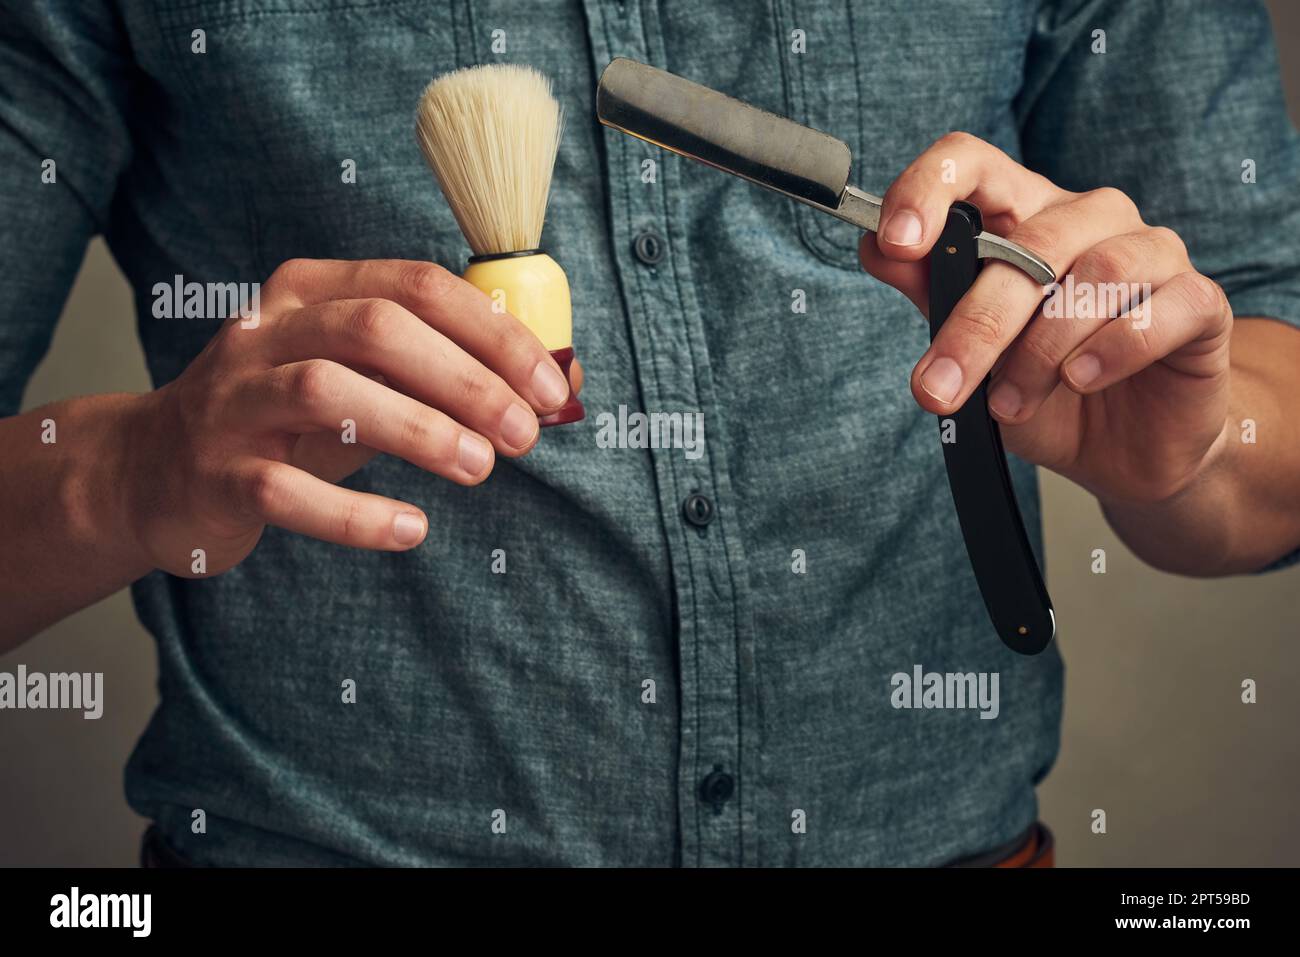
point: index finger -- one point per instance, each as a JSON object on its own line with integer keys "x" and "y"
{"x": 447, "y": 303}
{"x": 957, "y": 166}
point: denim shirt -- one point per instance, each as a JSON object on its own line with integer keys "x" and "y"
{"x": 644, "y": 684}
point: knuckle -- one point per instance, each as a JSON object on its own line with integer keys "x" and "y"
{"x": 371, "y": 320}
{"x": 417, "y": 432}
{"x": 1038, "y": 235}
{"x": 983, "y": 322}
{"x": 208, "y": 407}
{"x": 1144, "y": 341}
{"x": 226, "y": 350}
{"x": 1040, "y": 352}
{"x": 474, "y": 388}
{"x": 260, "y": 492}
{"x": 425, "y": 282}
{"x": 1166, "y": 237}
{"x": 957, "y": 139}
{"x": 311, "y": 381}
{"x": 911, "y": 182}
{"x": 195, "y": 401}
{"x": 514, "y": 346}
{"x": 289, "y": 272}
{"x": 1201, "y": 294}
{"x": 1112, "y": 198}
{"x": 352, "y": 521}
{"x": 1106, "y": 261}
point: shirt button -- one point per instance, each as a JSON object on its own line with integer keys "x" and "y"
{"x": 649, "y": 247}
{"x": 717, "y": 788}
{"x": 698, "y": 509}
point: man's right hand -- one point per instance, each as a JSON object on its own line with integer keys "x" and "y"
{"x": 252, "y": 433}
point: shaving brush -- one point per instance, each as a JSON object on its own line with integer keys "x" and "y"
{"x": 490, "y": 135}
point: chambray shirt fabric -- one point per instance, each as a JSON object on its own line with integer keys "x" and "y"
{"x": 525, "y": 692}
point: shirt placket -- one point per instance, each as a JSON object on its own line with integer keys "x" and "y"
{"x": 718, "y": 746}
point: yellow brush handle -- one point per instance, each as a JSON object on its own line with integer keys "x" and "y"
{"x": 534, "y": 290}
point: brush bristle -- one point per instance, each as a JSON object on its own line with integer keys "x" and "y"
{"x": 490, "y": 134}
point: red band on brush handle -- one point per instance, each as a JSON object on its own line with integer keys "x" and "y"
{"x": 571, "y": 411}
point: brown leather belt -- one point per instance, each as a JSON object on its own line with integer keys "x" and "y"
{"x": 1033, "y": 848}
{"x": 154, "y": 851}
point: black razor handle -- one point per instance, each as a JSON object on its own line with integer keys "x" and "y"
{"x": 1004, "y": 564}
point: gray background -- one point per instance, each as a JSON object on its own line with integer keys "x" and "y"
{"x": 1155, "y": 732}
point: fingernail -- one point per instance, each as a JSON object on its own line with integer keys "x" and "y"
{"x": 408, "y": 528}
{"x": 1005, "y": 400}
{"x": 518, "y": 426}
{"x": 904, "y": 228}
{"x": 942, "y": 379}
{"x": 474, "y": 454}
{"x": 549, "y": 386}
{"x": 1083, "y": 369}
